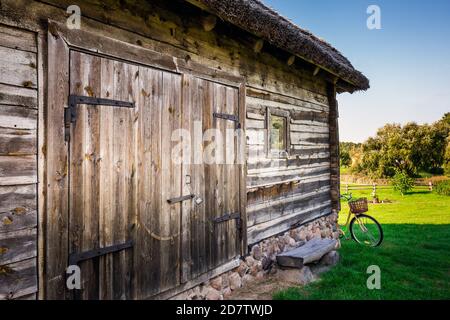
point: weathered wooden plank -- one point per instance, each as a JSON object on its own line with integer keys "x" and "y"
{"x": 17, "y": 208}
{"x": 255, "y": 124}
{"x": 305, "y": 128}
{"x": 56, "y": 237}
{"x": 311, "y": 251}
{"x": 125, "y": 82}
{"x": 155, "y": 91}
{"x": 18, "y": 96}
{"x": 284, "y": 207}
{"x": 242, "y": 169}
{"x": 309, "y": 101}
{"x": 17, "y": 39}
{"x": 170, "y": 183}
{"x": 256, "y": 137}
{"x": 268, "y": 163}
{"x": 15, "y": 117}
{"x": 18, "y": 280}
{"x": 17, "y": 170}
{"x": 286, "y": 175}
{"x": 18, "y": 67}
{"x": 106, "y": 174}
{"x": 334, "y": 146}
{"x": 17, "y": 246}
{"x": 17, "y": 142}
{"x": 84, "y": 220}
{"x": 19, "y": 199}
{"x": 277, "y": 226}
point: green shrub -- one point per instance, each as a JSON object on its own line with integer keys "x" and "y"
{"x": 402, "y": 182}
{"x": 442, "y": 188}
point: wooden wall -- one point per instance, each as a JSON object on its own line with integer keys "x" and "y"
{"x": 18, "y": 176}
{"x": 294, "y": 189}
{"x": 281, "y": 192}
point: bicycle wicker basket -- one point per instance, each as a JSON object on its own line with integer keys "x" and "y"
{"x": 358, "y": 206}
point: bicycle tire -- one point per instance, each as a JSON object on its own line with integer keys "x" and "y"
{"x": 353, "y": 230}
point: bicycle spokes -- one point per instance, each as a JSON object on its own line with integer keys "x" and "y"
{"x": 366, "y": 231}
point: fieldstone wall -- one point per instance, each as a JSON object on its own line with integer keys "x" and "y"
{"x": 261, "y": 261}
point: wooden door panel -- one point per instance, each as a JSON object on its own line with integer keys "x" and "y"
{"x": 206, "y": 244}
{"x": 102, "y": 184}
{"x": 123, "y": 171}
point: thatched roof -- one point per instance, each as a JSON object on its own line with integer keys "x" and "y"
{"x": 262, "y": 21}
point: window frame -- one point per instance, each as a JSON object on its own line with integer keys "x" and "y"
{"x": 272, "y": 153}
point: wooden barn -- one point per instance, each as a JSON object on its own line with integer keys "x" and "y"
{"x": 87, "y": 115}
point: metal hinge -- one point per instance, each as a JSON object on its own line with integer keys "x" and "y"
{"x": 75, "y": 258}
{"x": 70, "y": 113}
{"x": 229, "y": 117}
{"x": 231, "y": 216}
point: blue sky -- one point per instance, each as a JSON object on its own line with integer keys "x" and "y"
{"x": 407, "y": 61}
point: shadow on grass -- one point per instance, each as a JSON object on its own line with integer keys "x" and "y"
{"x": 414, "y": 262}
{"x": 418, "y": 192}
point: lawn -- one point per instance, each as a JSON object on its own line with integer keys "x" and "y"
{"x": 414, "y": 258}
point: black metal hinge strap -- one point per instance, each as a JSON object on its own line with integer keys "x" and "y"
{"x": 181, "y": 199}
{"x": 70, "y": 113}
{"x": 227, "y": 217}
{"x": 75, "y": 258}
{"x": 231, "y": 216}
{"x": 75, "y": 100}
{"x": 229, "y": 117}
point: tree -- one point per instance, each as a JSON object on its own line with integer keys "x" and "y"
{"x": 402, "y": 182}
{"x": 410, "y": 148}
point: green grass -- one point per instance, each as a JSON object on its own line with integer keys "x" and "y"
{"x": 414, "y": 258}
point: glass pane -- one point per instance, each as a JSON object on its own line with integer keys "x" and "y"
{"x": 277, "y": 133}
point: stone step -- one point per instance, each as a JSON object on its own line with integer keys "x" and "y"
{"x": 310, "y": 252}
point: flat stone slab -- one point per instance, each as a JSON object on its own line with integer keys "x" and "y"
{"x": 311, "y": 251}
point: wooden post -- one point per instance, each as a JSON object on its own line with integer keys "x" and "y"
{"x": 346, "y": 188}
{"x": 334, "y": 146}
{"x": 374, "y": 190}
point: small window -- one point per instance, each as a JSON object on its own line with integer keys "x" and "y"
{"x": 278, "y": 133}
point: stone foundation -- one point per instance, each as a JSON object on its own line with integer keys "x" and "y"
{"x": 262, "y": 260}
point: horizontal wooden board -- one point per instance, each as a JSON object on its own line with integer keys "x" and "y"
{"x": 306, "y": 128}
{"x": 17, "y": 208}
{"x": 17, "y": 39}
{"x": 19, "y": 199}
{"x": 17, "y": 246}
{"x": 17, "y": 142}
{"x": 271, "y": 210}
{"x": 255, "y": 124}
{"x": 17, "y": 170}
{"x": 315, "y": 102}
{"x": 267, "y": 196}
{"x": 277, "y": 226}
{"x": 18, "y": 96}
{"x": 18, "y": 67}
{"x": 17, "y": 117}
{"x": 18, "y": 280}
{"x": 280, "y": 177}
{"x": 255, "y": 137}
{"x": 17, "y": 220}
{"x": 310, "y": 252}
{"x": 266, "y": 163}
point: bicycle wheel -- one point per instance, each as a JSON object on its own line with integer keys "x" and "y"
{"x": 366, "y": 230}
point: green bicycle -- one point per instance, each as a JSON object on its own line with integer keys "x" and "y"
{"x": 364, "y": 229}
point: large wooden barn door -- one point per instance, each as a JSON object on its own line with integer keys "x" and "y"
{"x": 123, "y": 233}
{"x": 211, "y": 224}
{"x": 140, "y": 222}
